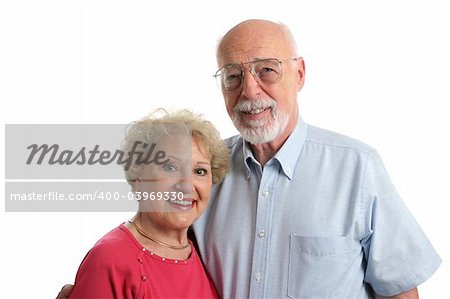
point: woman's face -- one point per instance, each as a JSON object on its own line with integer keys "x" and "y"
{"x": 177, "y": 191}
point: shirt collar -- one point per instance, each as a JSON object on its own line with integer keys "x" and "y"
{"x": 288, "y": 154}
{"x": 249, "y": 158}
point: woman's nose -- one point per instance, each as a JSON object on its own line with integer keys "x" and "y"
{"x": 184, "y": 185}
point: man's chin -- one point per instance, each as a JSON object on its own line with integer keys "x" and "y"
{"x": 255, "y": 136}
{"x": 257, "y": 133}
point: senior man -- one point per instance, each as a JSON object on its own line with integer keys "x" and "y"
{"x": 304, "y": 212}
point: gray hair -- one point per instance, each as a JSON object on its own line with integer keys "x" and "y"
{"x": 161, "y": 123}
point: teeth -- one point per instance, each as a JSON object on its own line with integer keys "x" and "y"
{"x": 182, "y": 202}
{"x": 256, "y": 111}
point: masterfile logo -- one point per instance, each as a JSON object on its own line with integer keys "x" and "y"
{"x": 69, "y": 167}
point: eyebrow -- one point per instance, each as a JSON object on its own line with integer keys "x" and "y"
{"x": 256, "y": 59}
{"x": 198, "y": 162}
{"x": 261, "y": 58}
{"x": 174, "y": 158}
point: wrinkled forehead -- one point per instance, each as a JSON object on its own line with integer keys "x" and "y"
{"x": 183, "y": 146}
{"x": 249, "y": 45}
{"x": 176, "y": 145}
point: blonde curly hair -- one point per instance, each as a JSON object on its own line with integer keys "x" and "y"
{"x": 162, "y": 123}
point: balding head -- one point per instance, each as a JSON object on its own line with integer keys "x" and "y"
{"x": 255, "y": 34}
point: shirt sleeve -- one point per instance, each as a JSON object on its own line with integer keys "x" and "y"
{"x": 399, "y": 256}
{"x": 101, "y": 275}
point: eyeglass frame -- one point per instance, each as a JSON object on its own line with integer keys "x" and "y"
{"x": 250, "y": 69}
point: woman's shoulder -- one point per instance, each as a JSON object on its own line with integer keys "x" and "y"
{"x": 109, "y": 268}
{"x": 116, "y": 243}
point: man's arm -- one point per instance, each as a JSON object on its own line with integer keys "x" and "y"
{"x": 411, "y": 294}
{"x": 65, "y": 292}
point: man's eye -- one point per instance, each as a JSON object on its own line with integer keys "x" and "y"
{"x": 266, "y": 70}
{"x": 233, "y": 77}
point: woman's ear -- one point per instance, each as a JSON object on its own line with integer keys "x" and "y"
{"x": 136, "y": 185}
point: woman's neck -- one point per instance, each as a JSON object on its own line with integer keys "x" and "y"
{"x": 173, "y": 237}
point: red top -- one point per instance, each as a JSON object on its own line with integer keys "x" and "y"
{"x": 119, "y": 267}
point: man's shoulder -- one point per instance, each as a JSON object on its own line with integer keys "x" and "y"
{"x": 330, "y": 139}
{"x": 232, "y": 141}
{"x": 318, "y": 136}
{"x": 235, "y": 145}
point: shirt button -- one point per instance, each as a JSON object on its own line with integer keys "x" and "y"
{"x": 265, "y": 193}
{"x": 258, "y": 277}
{"x": 140, "y": 260}
{"x": 144, "y": 278}
{"x": 261, "y": 234}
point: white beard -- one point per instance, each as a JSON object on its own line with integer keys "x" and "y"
{"x": 263, "y": 130}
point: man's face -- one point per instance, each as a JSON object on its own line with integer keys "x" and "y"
{"x": 261, "y": 112}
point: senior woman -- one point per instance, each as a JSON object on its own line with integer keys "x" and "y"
{"x": 150, "y": 256}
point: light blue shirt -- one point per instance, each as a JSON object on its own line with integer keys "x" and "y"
{"x": 320, "y": 220}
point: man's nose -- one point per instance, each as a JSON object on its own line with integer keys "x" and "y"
{"x": 250, "y": 85}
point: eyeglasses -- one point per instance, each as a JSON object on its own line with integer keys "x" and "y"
{"x": 266, "y": 71}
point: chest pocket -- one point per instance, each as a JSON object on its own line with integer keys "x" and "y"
{"x": 317, "y": 266}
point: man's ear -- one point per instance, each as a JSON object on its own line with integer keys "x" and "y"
{"x": 300, "y": 73}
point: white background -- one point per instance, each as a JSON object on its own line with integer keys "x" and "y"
{"x": 376, "y": 70}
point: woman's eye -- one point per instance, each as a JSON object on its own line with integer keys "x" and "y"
{"x": 201, "y": 171}
{"x": 170, "y": 167}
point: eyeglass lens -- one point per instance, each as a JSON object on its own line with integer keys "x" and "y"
{"x": 267, "y": 71}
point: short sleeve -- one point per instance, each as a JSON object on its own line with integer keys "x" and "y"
{"x": 102, "y": 275}
{"x": 399, "y": 256}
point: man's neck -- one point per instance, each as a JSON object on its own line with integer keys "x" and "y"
{"x": 265, "y": 151}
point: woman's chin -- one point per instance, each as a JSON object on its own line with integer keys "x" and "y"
{"x": 181, "y": 222}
